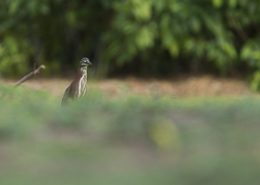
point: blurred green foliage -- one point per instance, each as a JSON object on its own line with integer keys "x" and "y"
{"x": 127, "y": 140}
{"x": 131, "y": 36}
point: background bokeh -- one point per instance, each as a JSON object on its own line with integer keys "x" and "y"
{"x": 149, "y": 37}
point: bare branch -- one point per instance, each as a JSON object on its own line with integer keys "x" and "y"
{"x": 29, "y": 75}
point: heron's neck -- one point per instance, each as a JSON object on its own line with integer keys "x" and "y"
{"x": 84, "y": 71}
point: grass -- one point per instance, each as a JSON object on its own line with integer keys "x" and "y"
{"x": 128, "y": 140}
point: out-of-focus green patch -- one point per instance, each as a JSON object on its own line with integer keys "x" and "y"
{"x": 127, "y": 140}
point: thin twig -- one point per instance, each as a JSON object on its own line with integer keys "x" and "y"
{"x": 29, "y": 75}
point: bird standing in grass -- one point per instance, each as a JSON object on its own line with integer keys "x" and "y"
{"x": 78, "y": 86}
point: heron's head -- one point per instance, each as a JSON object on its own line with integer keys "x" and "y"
{"x": 84, "y": 62}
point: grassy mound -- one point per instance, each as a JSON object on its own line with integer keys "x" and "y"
{"x": 127, "y": 140}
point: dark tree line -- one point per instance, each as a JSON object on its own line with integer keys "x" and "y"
{"x": 143, "y": 37}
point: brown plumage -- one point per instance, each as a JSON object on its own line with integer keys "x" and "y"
{"x": 78, "y": 86}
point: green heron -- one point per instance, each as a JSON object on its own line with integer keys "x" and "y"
{"x": 78, "y": 86}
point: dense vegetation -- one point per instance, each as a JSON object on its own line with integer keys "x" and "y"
{"x": 127, "y": 140}
{"x": 132, "y": 36}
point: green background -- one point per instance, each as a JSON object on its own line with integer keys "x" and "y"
{"x": 141, "y": 37}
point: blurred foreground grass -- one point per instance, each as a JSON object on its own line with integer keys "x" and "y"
{"x": 128, "y": 140}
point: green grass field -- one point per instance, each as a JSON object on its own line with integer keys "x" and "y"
{"x": 128, "y": 140}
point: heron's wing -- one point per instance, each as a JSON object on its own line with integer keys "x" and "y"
{"x": 66, "y": 96}
{"x": 70, "y": 93}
